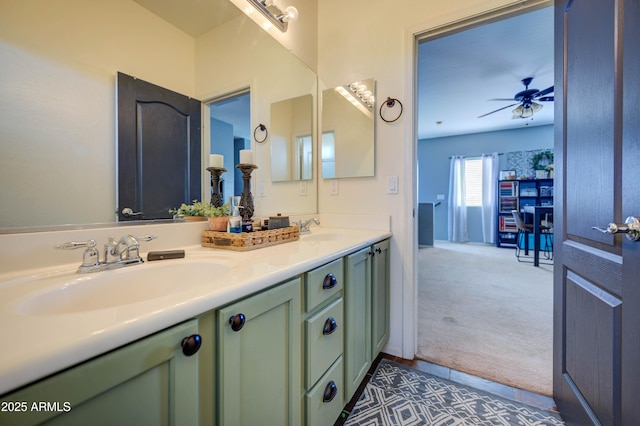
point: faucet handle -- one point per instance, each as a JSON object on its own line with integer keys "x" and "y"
{"x": 90, "y": 258}
{"x": 147, "y": 237}
{"x": 72, "y": 245}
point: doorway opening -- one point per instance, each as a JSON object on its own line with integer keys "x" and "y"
{"x": 229, "y": 133}
{"x": 470, "y": 84}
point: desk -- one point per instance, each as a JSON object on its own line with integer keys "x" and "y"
{"x": 538, "y": 212}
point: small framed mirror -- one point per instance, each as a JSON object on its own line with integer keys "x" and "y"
{"x": 348, "y": 130}
{"x": 291, "y": 139}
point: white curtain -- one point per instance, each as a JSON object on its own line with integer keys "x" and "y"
{"x": 490, "y": 165}
{"x": 458, "y": 231}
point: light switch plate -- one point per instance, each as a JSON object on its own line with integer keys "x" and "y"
{"x": 333, "y": 189}
{"x": 392, "y": 184}
{"x": 440, "y": 197}
{"x": 302, "y": 189}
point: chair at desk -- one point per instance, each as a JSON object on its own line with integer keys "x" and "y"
{"x": 524, "y": 230}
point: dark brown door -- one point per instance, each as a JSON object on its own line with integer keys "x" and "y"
{"x": 597, "y": 275}
{"x": 159, "y": 149}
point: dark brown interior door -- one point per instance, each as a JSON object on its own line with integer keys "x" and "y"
{"x": 159, "y": 149}
{"x": 596, "y": 296}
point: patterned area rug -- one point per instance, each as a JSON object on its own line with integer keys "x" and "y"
{"x": 398, "y": 395}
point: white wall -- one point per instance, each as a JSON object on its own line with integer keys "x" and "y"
{"x": 57, "y": 108}
{"x": 381, "y": 46}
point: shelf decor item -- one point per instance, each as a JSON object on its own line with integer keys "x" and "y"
{"x": 249, "y": 240}
{"x": 542, "y": 160}
{"x": 216, "y": 193}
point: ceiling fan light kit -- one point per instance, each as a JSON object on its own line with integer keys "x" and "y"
{"x": 527, "y": 101}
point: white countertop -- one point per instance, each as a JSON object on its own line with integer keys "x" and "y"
{"x": 38, "y": 345}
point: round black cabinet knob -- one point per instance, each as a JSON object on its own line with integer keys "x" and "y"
{"x": 330, "y": 392}
{"x": 330, "y": 326}
{"x": 237, "y": 322}
{"x": 330, "y": 281}
{"x": 191, "y": 344}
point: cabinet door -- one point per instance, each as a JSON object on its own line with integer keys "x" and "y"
{"x": 357, "y": 299}
{"x": 380, "y": 297}
{"x": 259, "y": 359}
{"x": 150, "y": 382}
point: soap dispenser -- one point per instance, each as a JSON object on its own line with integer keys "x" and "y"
{"x": 235, "y": 221}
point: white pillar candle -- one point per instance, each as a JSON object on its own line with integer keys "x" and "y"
{"x": 216, "y": 160}
{"x": 246, "y": 156}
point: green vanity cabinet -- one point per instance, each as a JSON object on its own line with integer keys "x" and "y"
{"x": 259, "y": 359}
{"x": 357, "y": 342}
{"x": 380, "y": 289}
{"x": 323, "y": 343}
{"x": 150, "y": 381}
{"x": 366, "y": 311}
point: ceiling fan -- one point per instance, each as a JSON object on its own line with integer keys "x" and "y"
{"x": 527, "y": 99}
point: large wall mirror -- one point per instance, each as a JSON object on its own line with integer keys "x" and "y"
{"x": 348, "y": 130}
{"x": 292, "y": 139}
{"x": 57, "y": 106}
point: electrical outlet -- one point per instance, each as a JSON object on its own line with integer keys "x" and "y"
{"x": 261, "y": 190}
{"x": 392, "y": 184}
{"x": 440, "y": 197}
{"x": 333, "y": 189}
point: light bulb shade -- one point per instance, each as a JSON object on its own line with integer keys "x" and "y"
{"x": 536, "y": 106}
{"x": 290, "y": 14}
{"x": 527, "y": 112}
{"x": 517, "y": 112}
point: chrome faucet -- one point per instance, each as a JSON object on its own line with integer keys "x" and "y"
{"x": 117, "y": 254}
{"x": 305, "y": 225}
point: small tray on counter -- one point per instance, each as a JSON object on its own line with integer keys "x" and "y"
{"x": 249, "y": 240}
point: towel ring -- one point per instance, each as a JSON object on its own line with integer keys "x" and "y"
{"x": 390, "y": 103}
{"x": 262, "y": 128}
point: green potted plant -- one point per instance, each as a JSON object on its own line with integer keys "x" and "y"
{"x": 218, "y": 217}
{"x": 191, "y": 212}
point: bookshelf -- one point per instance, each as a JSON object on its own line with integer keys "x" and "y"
{"x": 516, "y": 195}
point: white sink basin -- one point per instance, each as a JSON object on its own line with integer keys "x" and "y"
{"x": 73, "y": 293}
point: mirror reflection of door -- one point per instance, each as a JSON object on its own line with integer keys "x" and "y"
{"x": 230, "y": 120}
{"x": 159, "y": 150}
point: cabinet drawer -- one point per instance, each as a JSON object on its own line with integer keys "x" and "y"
{"x": 324, "y": 401}
{"x": 322, "y": 283}
{"x": 324, "y": 337}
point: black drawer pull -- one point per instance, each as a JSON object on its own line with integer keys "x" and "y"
{"x": 191, "y": 344}
{"x": 378, "y": 250}
{"x": 330, "y": 326}
{"x": 330, "y": 281}
{"x": 330, "y": 392}
{"x": 237, "y": 322}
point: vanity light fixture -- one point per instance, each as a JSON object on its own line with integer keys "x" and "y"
{"x": 274, "y": 14}
{"x": 359, "y": 95}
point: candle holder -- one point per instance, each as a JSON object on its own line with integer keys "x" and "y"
{"x": 246, "y": 200}
{"x": 216, "y": 195}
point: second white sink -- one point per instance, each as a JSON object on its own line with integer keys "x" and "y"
{"x": 121, "y": 287}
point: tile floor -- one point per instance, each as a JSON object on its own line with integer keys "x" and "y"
{"x": 525, "y": 397}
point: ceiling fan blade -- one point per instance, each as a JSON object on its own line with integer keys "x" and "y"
{"x": 543, "y": 92}
{"x": 499, "y": 109}
{"x": 545, "y": 99}
{"x": 501, "y": 99}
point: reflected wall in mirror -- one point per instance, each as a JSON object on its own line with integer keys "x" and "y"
{"x": 230, "y": 119}
{"x": 291, "y": 139}
{"x": 57, "y": 121}
{"x": 348, "y": 136}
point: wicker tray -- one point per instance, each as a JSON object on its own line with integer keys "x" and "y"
{"x": 249, "y": 240}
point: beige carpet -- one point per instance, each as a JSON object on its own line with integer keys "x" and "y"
{"x": 482, "y": 312}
